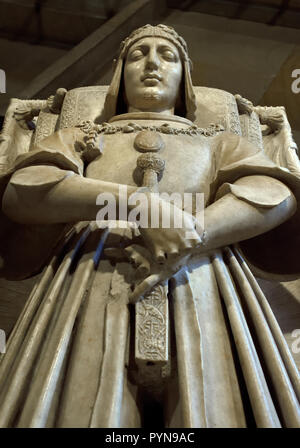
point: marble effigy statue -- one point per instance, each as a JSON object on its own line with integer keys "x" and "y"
{"x": 135, "y": 325}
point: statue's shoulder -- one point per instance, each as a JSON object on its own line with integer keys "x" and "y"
{"x": 225, "y": 137}
{"x": 66, "y": 135}
{"x": 230, "y": 148}
{"x": 230, "y": 141}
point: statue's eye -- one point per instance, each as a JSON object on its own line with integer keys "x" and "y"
{"x": 169, "y": 55}
{"x": 136, "y": 54}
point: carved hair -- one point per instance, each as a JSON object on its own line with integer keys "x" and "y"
{"x": 114, "y": 102}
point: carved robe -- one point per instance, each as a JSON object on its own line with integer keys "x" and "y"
{"x": 70, "y": 359}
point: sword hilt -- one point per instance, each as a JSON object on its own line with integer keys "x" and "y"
{"x": 152, "y": 166}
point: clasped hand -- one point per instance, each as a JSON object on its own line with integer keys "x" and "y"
{"x": 168, "y": 246}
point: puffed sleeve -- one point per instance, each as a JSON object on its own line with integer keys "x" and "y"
{"x": 25, "y": 248}
{"x": 62, "y": 149}
{"x": 242, "y": 169}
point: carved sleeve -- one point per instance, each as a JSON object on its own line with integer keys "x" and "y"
{"x": 62, "y": 149}
{"x": 260, "y": 191}
{"x": 245, "y": 171}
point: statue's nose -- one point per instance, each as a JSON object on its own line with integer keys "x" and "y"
{"x": 152, "y": 60}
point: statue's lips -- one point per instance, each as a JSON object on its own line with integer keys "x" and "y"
{"x": 149, "y": 82}
{"x": 151, "y": 79}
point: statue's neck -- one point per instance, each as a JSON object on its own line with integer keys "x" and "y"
{"x": 170, "y": 111}
{"x": 152, "y": 116}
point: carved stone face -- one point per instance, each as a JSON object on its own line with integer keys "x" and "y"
{"x": 152, "y": 75}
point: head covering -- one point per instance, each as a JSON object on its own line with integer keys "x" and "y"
{"x": 114, "y": 96}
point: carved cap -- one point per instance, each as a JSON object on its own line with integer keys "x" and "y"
{"x": 167, "y": 32}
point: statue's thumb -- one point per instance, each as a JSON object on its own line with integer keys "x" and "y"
{"x": 141, "y": 290}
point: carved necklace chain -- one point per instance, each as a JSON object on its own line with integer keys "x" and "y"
{"x": 106, "y": 128}
{"x": 93, "y": 130}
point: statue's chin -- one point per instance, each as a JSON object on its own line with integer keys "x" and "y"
{"x": 150, "y": 100}
{"x": 153, "y": 101}
{"x": 152, "y": 96}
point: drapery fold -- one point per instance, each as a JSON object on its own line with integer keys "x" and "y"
{"x": 69, "y": 358}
